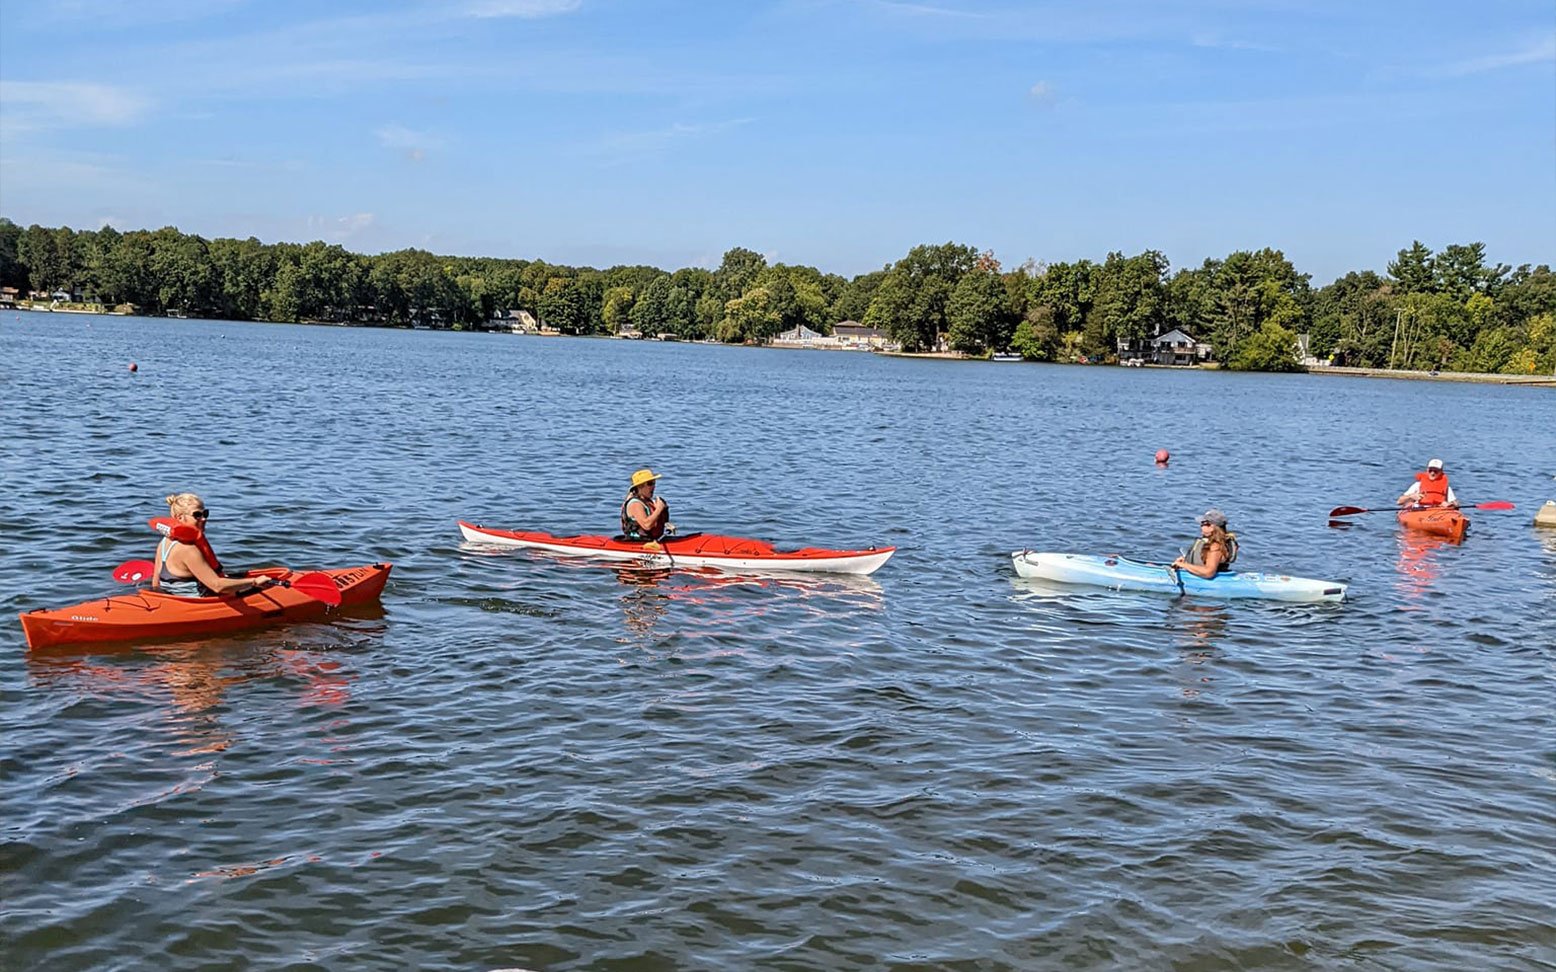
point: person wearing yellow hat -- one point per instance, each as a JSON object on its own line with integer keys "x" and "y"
{"x": 645, "y": 516}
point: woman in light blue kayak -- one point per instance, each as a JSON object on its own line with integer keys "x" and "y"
{"x": 1215, "y": 549}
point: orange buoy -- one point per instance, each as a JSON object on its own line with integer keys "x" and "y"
{"x": 1162, "y": 455}
{"x": 134, "y": 366}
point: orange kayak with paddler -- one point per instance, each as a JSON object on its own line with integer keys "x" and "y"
{"x": 148, "y": 614}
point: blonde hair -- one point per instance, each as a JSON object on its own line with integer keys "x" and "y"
{"x": 180, "y": 503}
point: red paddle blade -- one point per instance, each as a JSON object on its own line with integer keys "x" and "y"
{"x": 317, "y": 585}
{"x": 1348, "y": 511}
{"x": 1495, "y": 505}
{"x": 133, "y": 571}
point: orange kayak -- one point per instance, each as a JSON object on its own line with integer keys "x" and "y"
{"x": 1438, "y": 520}
{"x": 153, "y": 614}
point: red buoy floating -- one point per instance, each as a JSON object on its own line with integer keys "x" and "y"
{"x": 1162, "y": 455}
{"x": 134, "y": 366}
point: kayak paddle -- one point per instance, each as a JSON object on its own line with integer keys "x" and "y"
{"x": 1353, "y": 510}
{"x": 133, "y": 571}
{"x": 315, "y": 584}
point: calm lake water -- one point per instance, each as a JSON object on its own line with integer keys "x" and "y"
{"x": 523, "y": 764}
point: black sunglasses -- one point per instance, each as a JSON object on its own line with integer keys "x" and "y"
{"x": 201, "y": 514}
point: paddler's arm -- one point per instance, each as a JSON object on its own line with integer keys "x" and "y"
{"x": 652, "y": 516}
{"x": 1206, "y": 570}
{"x": 1408, "y": 497}
{"x": 1453, "y": 499}
{"x": 212, "y": 581}
{"x": 640, "y": 513}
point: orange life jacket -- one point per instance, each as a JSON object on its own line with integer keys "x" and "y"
{"x": 184, "y": 533}
{"x": 1433, "y": 492}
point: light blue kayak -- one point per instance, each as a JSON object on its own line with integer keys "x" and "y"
{"x": 1123, "y": 574}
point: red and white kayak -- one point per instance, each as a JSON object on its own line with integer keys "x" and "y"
{"x": 732, "y": 554}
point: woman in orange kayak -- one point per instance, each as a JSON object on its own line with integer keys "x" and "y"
{"x": 644, "y": 516}
{"x": 1215, "y": 549}
{"x": 1430, "y": 488}
{"x": 185, "y": 565}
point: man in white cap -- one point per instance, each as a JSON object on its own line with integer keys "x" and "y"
{"x": 645, "y": 516}
{"x": 1430, "y": 488}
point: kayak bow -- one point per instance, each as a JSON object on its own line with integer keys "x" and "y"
{"x": 154, "y": 614}
{"x": 732, "y": 554}
{"x": 1123, "y": 574}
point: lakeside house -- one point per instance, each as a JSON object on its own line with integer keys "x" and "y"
{"x": 845, "y": 336}
{"x": 9, "y": 296}
{"x": 857, "y": 337}
{"x": 515, "y": 322}
{"x": 1306, "y": 356}
{"x": 802, "y": 337}
{"x": 1175, "y": 348}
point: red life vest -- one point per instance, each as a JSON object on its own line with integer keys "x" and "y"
{"x": 1433, "y": 492}
{"x": 184, "y": 533}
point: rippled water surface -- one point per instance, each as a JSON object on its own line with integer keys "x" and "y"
{"x": 518, "y": 763}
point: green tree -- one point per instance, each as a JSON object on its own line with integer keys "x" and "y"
{"x": 1036, "y": 337}
{"x": 186, "y": 279}
{"x": 616, "y": 308}
{"x": 1068, "y": 289}
{"x": 912, "y": 298}
{"x": 1412, "y": 269}
{"x": 854, "y": 301}
{"x": 737, "y": 272}
{"x": 13, "y": 271}
{"x": 1130, "y": 302}
{"x": 38, "y": 249}
{"x": 1351, "y": 320}
{"x": 1272, "y": 348}
{"x": 978, "y": 312}
{"x": 651, "y": 312}
{"x": 1250, "y": 288}
{"x": 749, "y": 318}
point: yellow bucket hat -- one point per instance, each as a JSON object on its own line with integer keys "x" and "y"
{"x": 643, "y": 476}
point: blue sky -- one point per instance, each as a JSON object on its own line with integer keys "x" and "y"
{"x": 835, "y": 133}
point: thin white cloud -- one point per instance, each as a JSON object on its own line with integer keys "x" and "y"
{"x": 414, "y": 144}
{"x": 113, "y": 14}
{"x": 526, "y": 9}
{"x": 1042, "y": 93}
{"x": 37, "y": 175}
{"x": 1217, "y": 42}
{"x": 926, "y": 10}
{"x": 338, "y": 229}
{"x": 628, "y": 144}
{"x": 1539, "y": 52}
{"x": 34, "y": 105}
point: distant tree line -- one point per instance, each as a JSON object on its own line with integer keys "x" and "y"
{"x": 1448, "y": 309}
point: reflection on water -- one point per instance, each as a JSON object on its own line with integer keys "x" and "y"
{"x": 1199, "y": 626}
{"x": 714, "y": 602}
{"x": 188, "y": 683}
{"x": 1417, "y": 566}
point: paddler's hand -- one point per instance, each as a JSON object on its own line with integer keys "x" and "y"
{"x": 263, "y": 581}
{"x": 669, "y": 529}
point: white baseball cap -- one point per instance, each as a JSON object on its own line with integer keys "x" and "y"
{"x": 1435, "y": 464}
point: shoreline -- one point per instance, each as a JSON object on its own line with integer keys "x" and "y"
{"x": 1478, "y": 377}
{"x": 1474, "y": 377}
